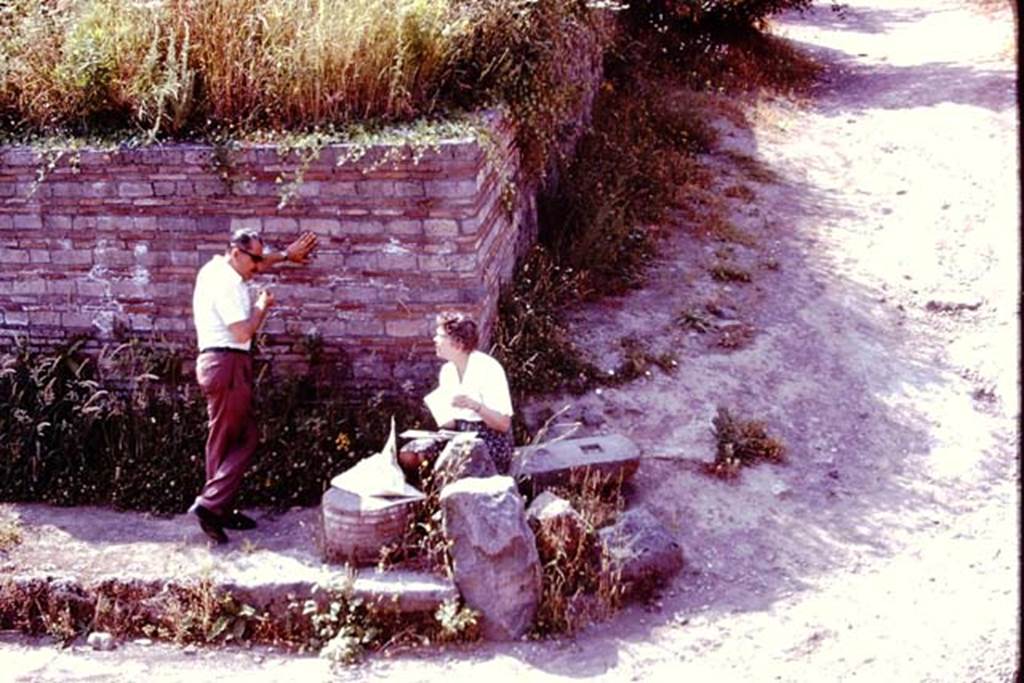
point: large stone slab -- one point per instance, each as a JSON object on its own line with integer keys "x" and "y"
{"x": 612, "y": 456}
{"x": 494, "y": 556}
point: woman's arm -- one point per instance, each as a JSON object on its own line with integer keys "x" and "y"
{"x": 492, "y": 418}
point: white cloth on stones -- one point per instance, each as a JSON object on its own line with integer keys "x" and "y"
{"x": 379, "y": 475}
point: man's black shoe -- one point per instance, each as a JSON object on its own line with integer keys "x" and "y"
{"x": 211, "y": 523}
{"x": 237, "y": 521}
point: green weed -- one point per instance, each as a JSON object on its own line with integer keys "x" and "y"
{"x": 741, "y": 443}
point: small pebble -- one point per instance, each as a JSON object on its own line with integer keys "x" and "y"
{"x": 100, "y": 640}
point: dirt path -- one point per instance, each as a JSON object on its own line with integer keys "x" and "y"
{"x": 883, "y": 306}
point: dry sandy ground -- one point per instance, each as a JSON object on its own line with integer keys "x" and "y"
{"x": 884, "y": 354}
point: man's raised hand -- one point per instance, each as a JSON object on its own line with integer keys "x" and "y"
{"x": 299, "y": 251}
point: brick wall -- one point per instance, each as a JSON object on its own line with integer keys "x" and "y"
{"x": 111, "y": 240}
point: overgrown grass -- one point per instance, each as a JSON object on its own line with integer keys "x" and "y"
{"x": 128, "y": 428}
{"x": 202, "y": 68}
{"x": 580, "y": 584}
{"x": 182, "y": 65}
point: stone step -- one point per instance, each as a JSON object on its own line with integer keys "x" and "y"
{"x": 397, "y": 591}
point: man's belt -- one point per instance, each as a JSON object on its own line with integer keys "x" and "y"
{"x": 225, "y": 349}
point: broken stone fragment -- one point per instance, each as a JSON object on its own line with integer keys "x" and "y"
{"x": 641, "y": 550}
{"x": 559, "y": 528}
{"x": 464, "y": 456}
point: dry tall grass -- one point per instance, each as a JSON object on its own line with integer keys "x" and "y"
{"x": 179, "y": 65}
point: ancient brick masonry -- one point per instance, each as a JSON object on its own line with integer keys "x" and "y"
{"x": 111, "y": 240}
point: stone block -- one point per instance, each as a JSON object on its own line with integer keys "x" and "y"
{"x": 44, "y": 318}
{"x": 404, "y": 227}
{"x": 338, "y": 188}
{"x": 612, "y": 457}
{"x": 494, "y": 557}
{"x": 76, "y": 320}
{"x": 399, "y": 262}
{"x": 20, "y": 156}
{"x": 30, "y": 285}
{"x": 446, "y": 263}
{"x": 280, "y": 225}
{"x": 377, "y": 189}
{"x": 16, "y": 318}
{"x": 77, "y": 257}
{"x": 407, "y": 328}
{"x": 117, "y": 224}
{"x": 163, "y": 188}
{"x": 451, "y": 189}
{"x": 175, "y": 225}
{"x": 408, "y": 188}
{"x": 309, "y": 189}
{"x": 440, "y": 228}
{"x": 56, "y": 222}
{"x": 14, "y": 256}
{"x": 134, "y": 189}
{"x": 320, "y": 226}
{"x": 65, "y": 190}
{"x": 27, "y": 221}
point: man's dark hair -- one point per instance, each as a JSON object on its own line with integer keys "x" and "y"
{"x": 460, "y": 328}
{"x": 244, "y": 238}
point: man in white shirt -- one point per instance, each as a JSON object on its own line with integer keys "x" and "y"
{"x": 226, "y": 321}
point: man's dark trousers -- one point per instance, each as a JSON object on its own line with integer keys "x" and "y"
{"x": 225, "y": 378}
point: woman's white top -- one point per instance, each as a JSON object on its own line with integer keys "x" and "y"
{"x": 484, "y": 381}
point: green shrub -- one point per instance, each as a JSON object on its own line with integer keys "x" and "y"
{"x": 710, "y": 14}
{"x": 128, "y": 428}
{"x": 741, "y": 443}
{"x": 640, "y": 152}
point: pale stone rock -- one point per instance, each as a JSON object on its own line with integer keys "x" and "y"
{"x": 494, "y": 556}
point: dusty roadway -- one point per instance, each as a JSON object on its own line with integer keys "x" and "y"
{"x": 885, "y": 356}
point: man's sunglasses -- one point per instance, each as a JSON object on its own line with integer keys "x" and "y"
{"x": 256, "y": 258}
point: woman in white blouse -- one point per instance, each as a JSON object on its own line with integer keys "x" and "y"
{"x": 472, "y": 388}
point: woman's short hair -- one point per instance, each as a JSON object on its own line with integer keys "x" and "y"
{"x": 461, "y": 329}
